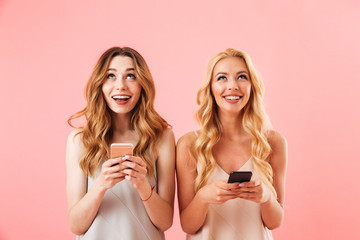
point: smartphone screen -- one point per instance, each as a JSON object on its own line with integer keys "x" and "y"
{"x": 241, "y": 176}
{"x": 121, "y": 149}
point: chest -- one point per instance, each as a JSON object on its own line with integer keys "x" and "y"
{"x": 231, "y": 156}
{"x": 130, "y": 136}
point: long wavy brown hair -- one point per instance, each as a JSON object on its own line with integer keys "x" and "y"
{"x": 255, "y": 122}
{"x": 97, "y": 132}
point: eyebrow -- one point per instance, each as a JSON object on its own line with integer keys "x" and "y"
{"x": 126, "y": 70}
{"x": 224, "y": 73}
{"x": 243, "y": 72}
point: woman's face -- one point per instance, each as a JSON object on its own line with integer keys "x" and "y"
{"x": 231, "y": 84}
{"x": 121, "y": 89}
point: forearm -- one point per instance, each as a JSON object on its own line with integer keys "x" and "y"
{"x": 272, "y": 213}
{"x": 160, "y": 212}
{"x": 82, "y": 214}
{"x": 192, "y": 218}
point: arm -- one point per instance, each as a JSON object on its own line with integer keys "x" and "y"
{"x": 160, "y": 206}
{"x": 194, "y": 206}
{"x": 272, "y": 211}
{"x": 82, "y": 205}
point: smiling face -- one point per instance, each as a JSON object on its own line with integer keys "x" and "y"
{"x": 231, "y": 85}
{"x": 121, "y": 89}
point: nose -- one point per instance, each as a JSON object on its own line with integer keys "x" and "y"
{"x": 120, "y": 84}
{"x": 232, "y": 84}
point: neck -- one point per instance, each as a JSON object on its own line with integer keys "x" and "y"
{"x": 120, "y": 123}
{"x": 231, "y": 124}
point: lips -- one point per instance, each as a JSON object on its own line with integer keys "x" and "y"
{"x": 121, "y": 99}
{"x": 232, "y": 98}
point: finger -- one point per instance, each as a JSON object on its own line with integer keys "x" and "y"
{"x": 136, "y": 160}
{"x": 135, "y": 178}
{"x": 228, "y": 197}
{"x": 226, "y": 186}
{"x": 247, "y": 195}
{"x": 113, "y": 176}
{"x": 250, "y": 184}
{"x": 112, "y": 161}
{"x": 133, "y": 173}
{"x": 248, "y": 190}
{"x": 252, "y": 189}
{"x": 139, "y": 161}
{"x": 225, "y": 193}
{"x": 131, "y": 178}
{"x": 134, "y": 166}
{"x": 113, "y": 169}
{"x": 232, "y": 186}
{"x": 107, "y": 170}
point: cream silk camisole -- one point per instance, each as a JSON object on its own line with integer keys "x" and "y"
{"x": 122, "y": 215}
{"x": 236, "y": 219}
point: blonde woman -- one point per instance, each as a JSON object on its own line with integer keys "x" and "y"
{"x": 234, "y": 136}
{"x": 120, "y": 198}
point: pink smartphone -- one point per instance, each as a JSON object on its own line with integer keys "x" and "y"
{"x": 121, "y": 149}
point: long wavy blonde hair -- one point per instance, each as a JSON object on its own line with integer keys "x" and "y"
{"x": 98, "y": 130}
{"x": 254, "y": 121}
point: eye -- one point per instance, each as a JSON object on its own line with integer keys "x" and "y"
{"x": 111, "y": 76}
{"x": 243, "y": 76}
{"x": 130, "y": 76}
{"x": 221, "y": 78}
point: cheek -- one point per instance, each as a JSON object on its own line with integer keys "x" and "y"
{"x": 106, "y": 89}
{"x": 216, "y": 90}
{"x": 246, "y": 88}
{"x": 136, "y": 89}
{"x": 106, "y": 86}
{"x": 214, "y": 94}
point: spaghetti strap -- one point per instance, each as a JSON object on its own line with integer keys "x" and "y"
{"x": 196, "y": 133}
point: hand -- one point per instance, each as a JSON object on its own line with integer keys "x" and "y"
{"x": 219, "y": 192}
{"x": 135, "y": 171}
{"x": 255, "y": 191}
{"x": 110, "y": 173}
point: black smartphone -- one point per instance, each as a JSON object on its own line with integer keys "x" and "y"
{"x": 241, "y": 176}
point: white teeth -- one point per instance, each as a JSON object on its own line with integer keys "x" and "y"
{"x": 120, "y": 97}
{"x": 232, "y": 97}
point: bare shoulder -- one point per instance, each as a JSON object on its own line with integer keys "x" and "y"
{"x": 187, "y": 140}
{"x": 75, "y": 146}
{"x": 184, "y": 156}
{"x": 75, "y": 136}
{"x": 276, "y": 140}
{"x": 167, "y": 135}
{"x": 278, "y": 143}
{"x": 166, "y": 140}
{"x": 166, "y": 144}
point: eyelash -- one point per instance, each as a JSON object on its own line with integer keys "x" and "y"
{"x": 112, "y": 76}
{"x": 242, "y": 76}
{"x": 131, "y": 75}
{"x": 221, "y": 78}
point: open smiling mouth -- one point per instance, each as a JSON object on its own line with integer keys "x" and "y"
{"x": 232, "y": 97}
{"x": 121, "y": 98}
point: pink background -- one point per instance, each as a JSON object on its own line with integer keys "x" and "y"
{"x": 307, "y": 52}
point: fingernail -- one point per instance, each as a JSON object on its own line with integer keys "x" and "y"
{"x": 125, "y": 157}
{"x": 241, "y": 185}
